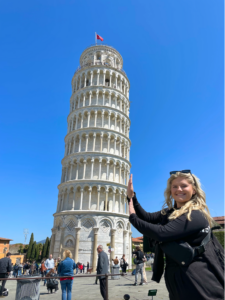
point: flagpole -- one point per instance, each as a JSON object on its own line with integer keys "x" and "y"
{"x": 95, "y": 39}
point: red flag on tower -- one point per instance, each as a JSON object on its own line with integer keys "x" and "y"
{"x": 99, "y": 37}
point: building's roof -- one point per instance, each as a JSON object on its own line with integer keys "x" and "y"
{"x": 138, "y": 239}
{"x": 4, "y": 239}
{"x": 219, "y": 220}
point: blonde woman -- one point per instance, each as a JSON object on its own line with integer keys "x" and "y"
{"x": 185, "y": 216}
{"x": 65, "y": 268}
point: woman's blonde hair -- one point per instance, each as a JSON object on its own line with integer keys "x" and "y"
{"x": 67, "y": 253}
{"x": 197, "y": 202}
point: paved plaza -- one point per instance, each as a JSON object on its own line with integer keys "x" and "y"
{"x": 83, "y": 289}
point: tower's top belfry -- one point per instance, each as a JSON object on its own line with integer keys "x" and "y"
{"x": 102, "y": 54}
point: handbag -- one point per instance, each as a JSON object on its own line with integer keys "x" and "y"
{"x": 182, "y": 253}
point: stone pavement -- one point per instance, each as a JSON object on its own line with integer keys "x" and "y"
{"x": 83, "y": 289}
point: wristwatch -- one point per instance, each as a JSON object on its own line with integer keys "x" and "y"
{"x": 132, "y": 197}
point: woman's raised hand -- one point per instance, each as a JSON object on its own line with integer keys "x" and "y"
{"x": 130, "y": 188}
{"x": 131, "y": 207}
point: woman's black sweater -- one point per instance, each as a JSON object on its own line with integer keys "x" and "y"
{"x": 187, "y": 282}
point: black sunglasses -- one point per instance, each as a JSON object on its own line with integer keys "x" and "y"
{"x": 183, "y": 171}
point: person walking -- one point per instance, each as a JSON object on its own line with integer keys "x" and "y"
{"x": 144, "y": 272}
{"x": 77, "y": 267}
{"x": 56, "y": 264}
{"x": 43, "y": 269}
{"x": 49, "y": 264}
{"x": 5, "y": 269}
{"x": 182, "y": 229}
{"x": 32, "y": 268}
{"x": 123, "y": 264}
{"x": 65, "y": 268}
{"x": 139, "y": 264}
{"x": 102, "y": 268}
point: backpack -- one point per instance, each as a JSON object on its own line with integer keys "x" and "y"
{"x": 52, "y": 283}
{"x": 16, "y": 267}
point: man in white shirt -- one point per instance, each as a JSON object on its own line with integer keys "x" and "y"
{"x": 49, "y": 264}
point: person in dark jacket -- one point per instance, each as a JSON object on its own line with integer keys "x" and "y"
{"x": 102, "y": 268}
{"x": 139, "y": 264}
{"x": 123, "y": 264}
{"x": 187, "y": 218}
{"x": 5, "y": 269}
{"x": 65, "y": 268}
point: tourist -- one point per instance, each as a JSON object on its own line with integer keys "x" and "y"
{"x": 77, "y": 267}
{"x": 52, "y": 284}
{"x": 24, "y": 270}
{"x": 83, "y": 268}
{"x": 139, "y": 264}
{"x": 20, "y": 269}
{"x": 144, "y": 272}
{"x": 32, "y": 268}
{"x": 49, "y": 264}
{"x": 65, "y": 268}
{"x": 27, "y": 268}
{"x": 80, "y": 267}
{"x": 13, "y": 270}
{"x": 96, "y": 279}
{"x": 5, "y": 269}
{"x": 43, "y": 269}
{"x": 115, "y": 261}
{"x": 123, "y": 264}
{"x": 88, "y": 266}
{"x": 56, "y": 264}
{"x": 102, "y": 268}
{"x": 185, "y": 218}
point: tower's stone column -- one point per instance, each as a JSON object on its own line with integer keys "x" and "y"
{"x": 77, "y": 244}
{"x": 125, "y": 242}
{"x": 61, "y": 240}
{"x": 112, "y": 254}
{"x": 94, "y": 257}
{"x": 52, "y": 241}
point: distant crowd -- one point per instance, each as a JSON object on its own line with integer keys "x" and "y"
{"x": 31, "y": 268}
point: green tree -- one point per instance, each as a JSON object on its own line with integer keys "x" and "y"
{"x": 29, "y": 250}
{"x": 21, "y": 249}
{"x": 33, "y": 251}
{"x": 40, "y": 246}
{"x": 25, "y": 248}
{"x": 37, "y": 252}
{"x": 48, "y": 249}
{"x": 44, "y": 251}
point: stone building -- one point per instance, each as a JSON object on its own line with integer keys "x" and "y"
{"x": 92, "y": 207}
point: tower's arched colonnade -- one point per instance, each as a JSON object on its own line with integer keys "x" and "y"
{"x": 92, "y": 207}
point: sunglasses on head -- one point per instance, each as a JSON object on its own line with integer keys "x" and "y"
{"x": 183, "y": 171}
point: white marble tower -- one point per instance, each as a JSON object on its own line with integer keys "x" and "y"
{"x": 92, "y": 207}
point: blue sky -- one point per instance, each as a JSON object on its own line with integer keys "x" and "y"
{"x": 173, "y": 56}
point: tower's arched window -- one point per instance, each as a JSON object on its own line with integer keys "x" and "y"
{"x": 98, "y": 56}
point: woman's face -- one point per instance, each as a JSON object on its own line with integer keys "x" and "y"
{"x": 181, "y": 191}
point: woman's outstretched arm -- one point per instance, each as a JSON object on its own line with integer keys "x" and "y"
{"x": 153, "y": 218}
{"x": 176, "y": 229}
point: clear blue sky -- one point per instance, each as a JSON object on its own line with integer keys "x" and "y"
{"x": 173, "y": 56}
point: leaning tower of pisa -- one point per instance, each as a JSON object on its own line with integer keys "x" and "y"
{"x": 92, "y": 207}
